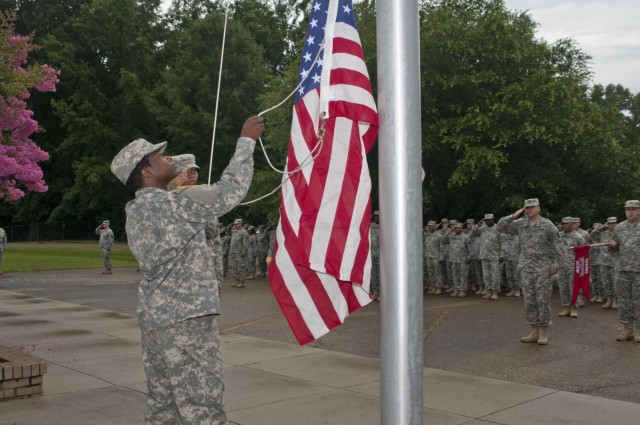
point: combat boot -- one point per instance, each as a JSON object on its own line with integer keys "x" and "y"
{"x": 438, "y": 291}
{"x": 518, "y": 293}
{"x": 449, "y": 289}
{"x": 542, "y": 337}
{"x": 614, "y": 304}
{"x": 431, "y": 290}
{"x": 455, "y": 293}
{"x": 484, "y": 291}
{"x": 599, "y": 299}
{"x": 479, "y": 291}
{"x": 574, "y": 312}
{"x": 625, "y": 332}
{"x": 511, "y": 293}
{"x": 487, "y": 295}
{"x": 581, "y": 299}
{"x": 462, "y": 294}
{"x": 565, "y": 312}
{"x": 608, "y": 303}
{"x": 240, "y": 285}
{"x": 494, "y": 295}
{"x": 533, "y": 335}
{"x": 636, "y": 333}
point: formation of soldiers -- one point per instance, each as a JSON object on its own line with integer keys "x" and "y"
{"x": 246, "y": 248}
{"x": 489, "y": 258}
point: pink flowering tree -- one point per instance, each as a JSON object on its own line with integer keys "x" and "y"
{"x": 19, "y": 155}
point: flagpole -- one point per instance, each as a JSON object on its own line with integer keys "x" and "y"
{"x": 400, "y": 188}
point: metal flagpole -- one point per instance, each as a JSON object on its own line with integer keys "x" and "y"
{"x": 400, "y": 172}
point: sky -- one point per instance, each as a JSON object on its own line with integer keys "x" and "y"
{"x": 607, "y": 30}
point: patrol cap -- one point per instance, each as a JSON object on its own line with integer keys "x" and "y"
{"x": 471, "y": 221}
{"x": 488, "y": 216}
{"x": 612, "y": 220}
{"x": 431, "y": 223}
{"x": 457, "y": 224}
{"x": 237, "y": 221}
{"x": 251, "y": 228}
{"x": 106, "y": 222}
{"x": 130, "y": 156}
{"x": 184, "y": 162}
{"x": 567, "y": 220}
{"x": 632, "y": 204}
{"x": 445, "y": 220}
{"x": 533, "y": 202}
{"x": 596, "y": 225}
{"x": 575, "y": 219}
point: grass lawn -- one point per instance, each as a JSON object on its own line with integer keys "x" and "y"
{"x": 35, "y": 257}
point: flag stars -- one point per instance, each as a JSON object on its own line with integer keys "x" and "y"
{"x": 316, "y": 6}
{"x": 313, "y": 23}
{"x": 319, "y": 62}
{"x": 301, "y": 91}
{"x": 310, "y": 40}
{"x": 304, "y": 73}
{"x": 307, "y": 57}
{"x": 316, "y": 78}
{"x": 346, "y": 9}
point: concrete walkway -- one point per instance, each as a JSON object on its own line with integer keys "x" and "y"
{"x": 96, "y": 377}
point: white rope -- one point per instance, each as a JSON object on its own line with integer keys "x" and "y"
{"x": 215, "y": 115}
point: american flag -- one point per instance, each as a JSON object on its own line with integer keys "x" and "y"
{"x": 321, "y": 266}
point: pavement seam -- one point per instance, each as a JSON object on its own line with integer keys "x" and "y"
{"x": 519, "y": 404}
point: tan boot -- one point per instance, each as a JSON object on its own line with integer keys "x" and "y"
{"x": 250, "y": 276}
{"x": 614, "y": 304}
{"x": 565, "y": 312}
{"x": 455, "y": 293}
{"x": 438, "y": 291}
{"x": 462, "y": 294}
{"x": 518, "y": 293}
{"x": 480, "y": 291}
{"x": 581, "y": 302}
{"x": 533, "y": 335}
{"x": 494, "y": 295}
{"x": 574, "y": 312}
{"x": 487, "y": 296}
{"x": 625, "y": 332}
{"x": 608, "y": 303}
{"x": 542, "y": 337}
{"x": 431, "y": 290}
{"x": 599, "y": 299}
{"x": 510, "y": 293}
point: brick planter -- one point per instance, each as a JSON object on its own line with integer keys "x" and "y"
{"x": 20, "y": 374}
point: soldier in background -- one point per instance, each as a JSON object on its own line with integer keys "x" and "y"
{"x": 476, "y": 262}
{"x": 626, "y": 244}
{"x": 490, "y": 255}
{"x": 434, "y": 259}
{"x": 252, "y": 253}
{"x": 3, "y": 245}
{"x": 570, "y": 238}
{"x": 262, "y": 243}
{"x": 238, "y": 251}
{"x": 106, "y": 243}
{"x": 447, "y": 274}
{"x": 460, "y": 257}
{"x": 375, "y": 256}
{"x": 510, "y": 253}
{"x": 607, "y": 272}
{"x": 225, "y": 241}
{"x": 597, "y": 290}
{"x": 540, "y": 248}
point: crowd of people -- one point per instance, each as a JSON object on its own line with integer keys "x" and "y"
{"x": 521, "y": 256}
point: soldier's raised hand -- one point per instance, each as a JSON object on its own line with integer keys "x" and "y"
{"x": 253, "y": 128}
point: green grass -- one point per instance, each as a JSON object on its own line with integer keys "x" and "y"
{"x": 36, "y": 259}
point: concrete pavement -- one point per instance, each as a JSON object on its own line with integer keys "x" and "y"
{"x": 96, "y": 377}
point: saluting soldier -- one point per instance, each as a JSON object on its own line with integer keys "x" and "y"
{"x": 570, "y": 238}
{"x": 434, "y": 258}
{"x": 238, "y": 251}
{"x": 490, "y": 255}
{"x": 252, "y": 253}
{"x": 595, "y": 261}
{"x": 460, "y": 257}
{"x": 106, "y": 243}
{"x": 262, "y": 243}
{"x": 510, "y": 253}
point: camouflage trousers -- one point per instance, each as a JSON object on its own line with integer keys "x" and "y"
{"x": 251, "y": 264}
{"x": 262, "y": 261}
{"x": 460, "y": 273}
{"x": 491, "y": 274}
{"x": 514, "y": 279}
{"x": 184, "y": 373}
{"x": 477, "y": 270}
{"x": 225, "y": 264}
{"x": 536, "y": 290}
{"x": 565, "y": 285}
{"x": 628, "y": 290}
{"x": 106, "y": 257}
{"x": 596, "y": 282}
{"x": 447, "y": 272}
{"x": 239, "y": 266}
{"x": 375, "y": 275}
{"x": 608, "y": 281}
{"x": 434, "y": 273}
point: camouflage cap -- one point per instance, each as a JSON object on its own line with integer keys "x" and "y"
{"x": 431, "y": 223}
{"x": 457, "y": 224}
{"x": 632, "y": 204}
{"x": 612, "y": 220}
{"x": 488, "y": 216}
{"x": 128, "y": 158}
{"x": 471, "y": 221}
{"x": 567, "y": 220}
{"x": 596, "y": 225}
{"x": 575, "y": 219}
{"x": 251, "y": 228}
{"x": 237, "y": 221}
{"x": 106, "y": 222}
{"x": 184, "y": 162}
{"x": 533, "y": 202}
{"x": 445, "y": 220}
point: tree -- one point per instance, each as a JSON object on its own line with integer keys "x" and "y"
{"x": 19, "y": 155}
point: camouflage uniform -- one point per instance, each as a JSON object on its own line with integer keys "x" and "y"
{"x": 262, "y": 242}
{"x": 595, "y": 261}
{"x": 476, "y": 262}
{"x": 178, "y": 297}
{"x": 3, "y": 245}
{"x": 375, "y": 259}
{"x": 459, "y": 255}
{"x": 433, "y": 256}
{"x": 540, "y": 246}
{"x": 447, "y": 273}
{"x": 565, "y": 268}
{"x": 490, "y": 255}
{"x": 252, "y": 254}
{"x": 607, "y": 263}
{"x": 238, "y": 250}
{"x": 225, "y": 241}
{"x": 627, "y": 271}
{"x": 510, "y": 252}
{"x": 106, "y": 243}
